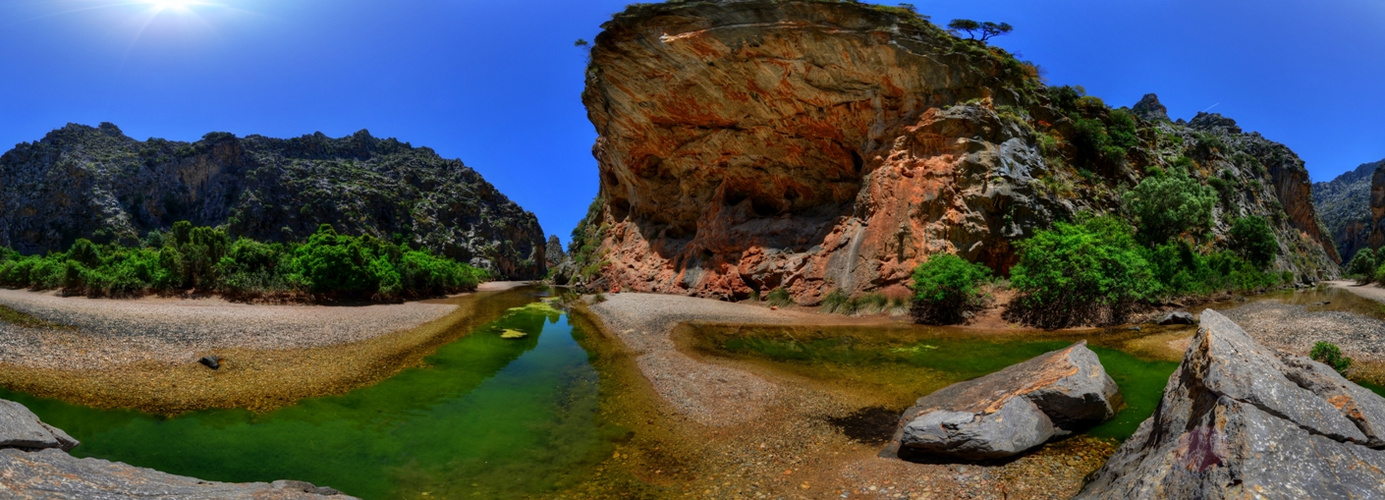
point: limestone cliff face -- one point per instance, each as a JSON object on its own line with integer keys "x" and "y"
{"x": 1345, "y": 206}
{"x": 1378, "y": 208}
{"x": 97, "y": 183}
{"x": 752, "y": 145}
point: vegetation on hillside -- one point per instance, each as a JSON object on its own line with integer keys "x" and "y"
{"x": 328, "y": 266}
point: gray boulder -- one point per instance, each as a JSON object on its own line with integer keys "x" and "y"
{"x": 1010, "y": 411}
{"x": 34, "y": 464}
{"x": 1238, "y": 420}
{"x": 20, "y": 428}
{"x": 1177, "y": 318}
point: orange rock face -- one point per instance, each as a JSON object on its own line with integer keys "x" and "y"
{"x": 799, "y": 146}
{"x": 811, "y": 146}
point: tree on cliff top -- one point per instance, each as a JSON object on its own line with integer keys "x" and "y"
{"x": 980, "y": 31}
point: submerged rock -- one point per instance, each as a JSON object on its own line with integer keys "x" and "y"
{"x": 213, "y": 362}
{"x": 1177, "y": 318}
{"x": 20, "y": 428}
{"x": 1241, "y": 420}
{"x": 1010, "y": 411}
{"x": 34, "y": 464}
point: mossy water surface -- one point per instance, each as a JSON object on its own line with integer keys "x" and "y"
{"x": 487, "y": 417}
{"x": 907, "y": 366}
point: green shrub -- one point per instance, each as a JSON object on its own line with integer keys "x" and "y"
{"x": 1080, "y": 274}
{"x": 838, "y": 302}
{"x": 1252, "y": 238}
{"x": 779, "y": 297}
{"x": 329, "y": 264}
{"x": 1168, "y": 205}
{"x": 1329, "y": 354}
{"x": 1362, "y": 266}
{"x": 946, "y": 287}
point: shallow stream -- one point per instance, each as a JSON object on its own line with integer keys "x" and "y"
{"x": 493, "y": 417}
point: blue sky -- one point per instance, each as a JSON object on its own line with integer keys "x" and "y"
{"x": 498, "y": 84}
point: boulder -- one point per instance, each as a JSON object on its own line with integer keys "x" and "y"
{"x": 1177, "y": 318}
{"x": 20, "y": 428}
{"x": 1010, "y": 411}
{"x": 34, "y": 464}
{"x": 1239, "y": 420}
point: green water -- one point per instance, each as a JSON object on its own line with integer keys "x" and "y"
{"x": 958, "y": 359}
{"x": 487, "y": 418}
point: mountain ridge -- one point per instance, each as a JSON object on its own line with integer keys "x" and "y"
{"x": 96, "y": 182}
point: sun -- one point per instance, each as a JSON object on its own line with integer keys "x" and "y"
{"x": 162, "y": 5}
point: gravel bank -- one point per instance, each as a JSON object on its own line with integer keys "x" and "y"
{"x": 1295, "y": 328}
{"x": 112, "y": 332}
{"x": 709, "y": 394}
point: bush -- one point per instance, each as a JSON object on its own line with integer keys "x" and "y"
{"x": 779, "y": 297}
{"x": 838, "y": 302}
{"x": 946, "y": 287}
{"x": 1363, "y": 266}
{"x": 1252, "y": 238}
{"x": 329, "y": 264}
{"x": 1168, "y": 205}
{"x": 1080, "y": 274}
{"x": 1329, "y": 354}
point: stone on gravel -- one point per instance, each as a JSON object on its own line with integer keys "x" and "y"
{"x": 1177, "y": 318}
{"x": 1010, "y": 411}
{"x": 20, "y": 428}
{"x": 1240, "y": 420}
{"x": 212, "y": 362}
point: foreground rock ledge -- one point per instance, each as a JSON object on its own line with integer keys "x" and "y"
{"x": 1009, "y": 411}
{"x": 1238, "y": 420}
{"x": 34, "y": 464}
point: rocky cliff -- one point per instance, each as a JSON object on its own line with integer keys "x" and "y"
{"x": 752, "y": 145}
{"x": 97, "y": 183}
{"x": 1345, "y": 206}
{"x": 1377, "y": 238}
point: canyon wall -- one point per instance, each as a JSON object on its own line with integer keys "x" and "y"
{"x": 97, "y": 183}
{"x": 752, "y": 145}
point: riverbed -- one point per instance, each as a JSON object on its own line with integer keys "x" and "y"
{"x": 701, "y": 399}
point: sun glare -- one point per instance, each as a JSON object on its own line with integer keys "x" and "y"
{"x": 162, "y": 5}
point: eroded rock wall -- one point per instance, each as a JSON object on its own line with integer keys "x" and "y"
{"x": 812, "y": 146}
{"x": 1377, "y": 239}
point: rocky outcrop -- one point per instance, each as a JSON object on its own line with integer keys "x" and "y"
{"x": 751, "y": 145}
{"x": 1377, "y": 239}
{"x": 1150, "y": 109}
{"x": 1238, "y": 420}
{"x": 553, "y": 252}
{"x": 1176, "y": 318}
{"x": 1345, "y": 206}
{"x": 20, "y": 428}
{"x": 1010, "y": 411}
{"x": 34, "y": 464}
{"x": 97, "y": 183}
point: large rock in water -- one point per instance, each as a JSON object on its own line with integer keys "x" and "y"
{"x": 20, "y": 428}
{"x": 34, "y": 464}
{"x": 1012, "y": 410}
{"x": 808, "y": 145}
{"x": 1238, "y": 420}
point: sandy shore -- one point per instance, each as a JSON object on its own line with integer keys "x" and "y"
{"x": 1373, "y": 292}
{"x": 143, "y": 353}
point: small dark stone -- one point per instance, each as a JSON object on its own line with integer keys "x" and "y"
{"x": 212, "y": 362}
